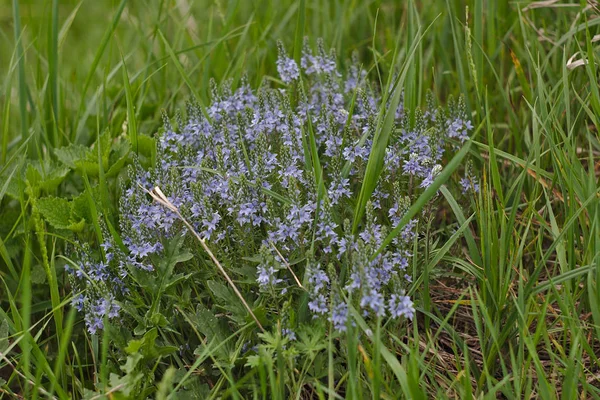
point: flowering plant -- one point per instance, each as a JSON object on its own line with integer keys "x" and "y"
{"x": 241, "y": 173}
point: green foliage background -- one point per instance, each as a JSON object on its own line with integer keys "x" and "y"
{"x": 513, "y": 311}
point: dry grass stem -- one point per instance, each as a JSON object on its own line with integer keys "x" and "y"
{"x": 160, "y": 198}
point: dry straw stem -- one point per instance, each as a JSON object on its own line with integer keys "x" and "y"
{"x": 288, "y": 266}
{"x": 160, "y": 198}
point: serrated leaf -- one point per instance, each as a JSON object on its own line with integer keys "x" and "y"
{"x": 45, "y": 176}
{"x": 157, "y": 319}
{"x": 167, "y": 261}
{"x": 85, "y": 159}
{"x": 38, "y": 275}
{"x": 77, "y": 226}
{"x": 214, "y": 329}
{"x": 134, "y": 346}
{"x": 62, "y": 213}
{"x": 80, "y": 207}
{"x": 90, "y": 394}
{"x": 253, "y": 361}
{"x": 72, "y": 154}
{"x": 208, "y": 324}
{"x": 52, "y": 179}
{"x": 126, "y": 384}
{"x": 78, "y": 158}
{"x": 194, "y": 390}
{"x": 56, "y": 210}
{"x": 33, "y": 176}
{"x": 228, "y": 299}
{"x": 174, "y": 256}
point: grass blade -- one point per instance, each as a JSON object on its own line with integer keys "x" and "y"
{"x": 21, "y": 71}
{"x": 425, "y": 196}
{"x": 103, "y": 43}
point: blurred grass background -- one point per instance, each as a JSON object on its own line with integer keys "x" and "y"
{"x": 69, "y": 75}
{"x": 524, "y": 316}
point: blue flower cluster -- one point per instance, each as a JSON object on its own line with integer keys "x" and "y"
{"x": 104, "y": 282}
{"x": 240, "y": 171}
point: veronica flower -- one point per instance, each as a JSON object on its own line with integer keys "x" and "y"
{"x": 339, "y": 190}
{"x": 318, "y": 280}
{"x": 428, "y": 180}
{"x": 401, "y": 306}
{"x": 318, "y": 304}
{"x": 243, "y": 179}
{"x": 413, "y": 165}
{"x": 265, "y": 276}
{"x": 290, "y": 334}
{"x": 375, "y": 301}
{"x": 339, "y": 316}
{"x": 469, "y": 184}
{"x": 78, "y": 302}
{"x": 287, "y": 68}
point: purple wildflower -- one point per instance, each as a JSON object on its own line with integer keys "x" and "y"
{"x": 401, "y": 305}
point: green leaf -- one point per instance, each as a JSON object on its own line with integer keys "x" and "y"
{"x": 56, "y": 210}
{"x": 45, "y": 175}
{"x": 3, "y": 336}
{"x": 253, "y": 361}
{"x": 166, "y": 384}
{"x": 80, "y": 208}
{"x": 228, "y": 299}
{"x": 214, "y": 329}
{"x": 146, "y": 145}
{"x": 84, "y": 159}
{"x": 173, "y": 256}
{"x": 194, "y": 389}
{"x": 208, "y": 324}
{"x": 131, "y": 363}
{"x": 157, "y": 319}
{"x": 6, "y": 183}
{"x": 118, "y": 157}
{"x": 38, "y": 274}
{"x": 73, "y": 154}
{"x": 128, "y": 384}
{"x": 147, "y": 348}
{"x": 176, "y": 279}
{"x": 33, "y": 176}
{"x": 61, "y": 213}
{"x": 131, "y": 122}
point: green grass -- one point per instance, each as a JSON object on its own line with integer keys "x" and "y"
{"x": 509, "y": 305}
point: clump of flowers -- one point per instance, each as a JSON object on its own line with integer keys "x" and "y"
{"x": 241, "y": 172}
{"x": 105, "y": 282}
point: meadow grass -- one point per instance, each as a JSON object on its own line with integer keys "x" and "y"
{"x": 508, "y": 306}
